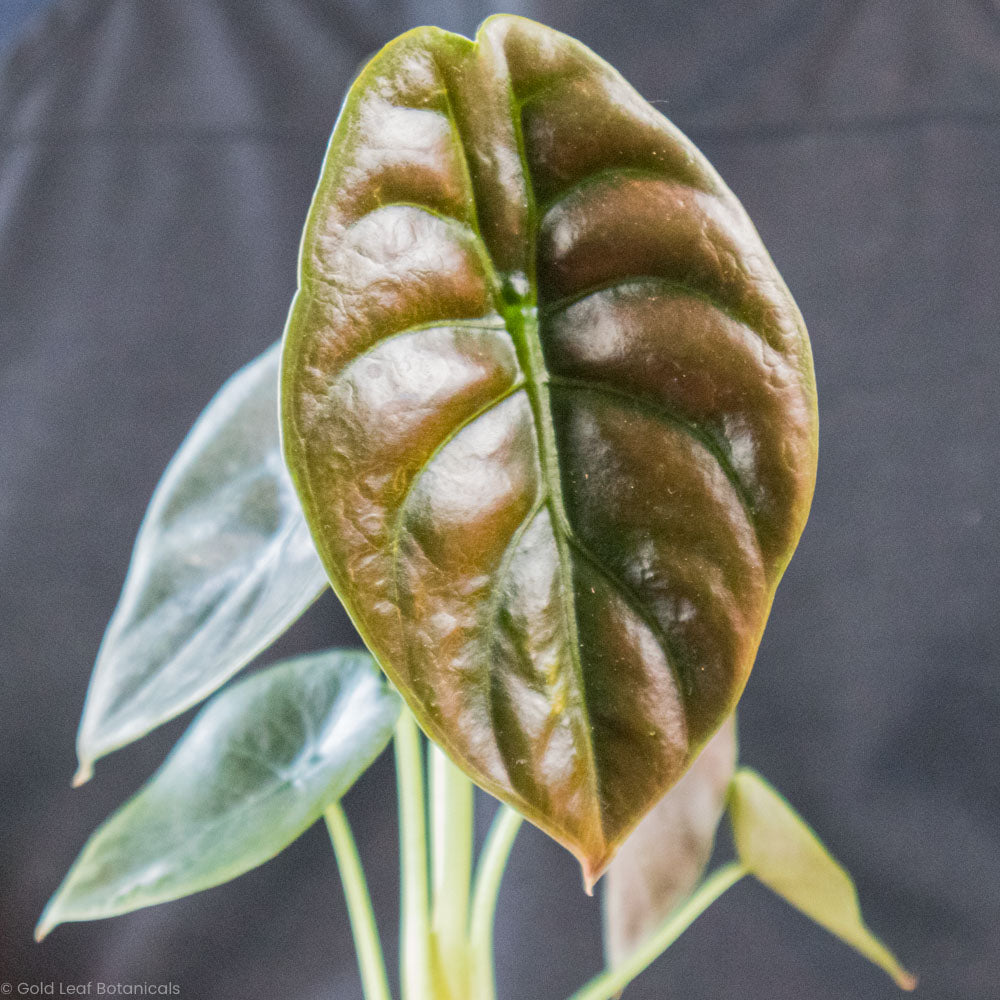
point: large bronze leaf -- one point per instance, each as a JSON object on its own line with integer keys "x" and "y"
{"x": 551, "y": 414}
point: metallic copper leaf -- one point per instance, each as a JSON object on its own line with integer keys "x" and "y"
{"x": 550, "y": 411}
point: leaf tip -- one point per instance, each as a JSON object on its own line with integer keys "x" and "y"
{"x": 592, "y": 873}
{"x": 83, "y": 773}
{"x": 906, "y": 980}
{"x": 46, "y": 924}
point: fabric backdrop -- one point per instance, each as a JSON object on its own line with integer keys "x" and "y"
{"x": 156, "y": 163}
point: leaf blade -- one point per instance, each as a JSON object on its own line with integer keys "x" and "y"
{"x": 546, "y": 413}
{"x": 254, "y": 770}
{"x": 779, "y": 848}
{"x": 222, "y": 565}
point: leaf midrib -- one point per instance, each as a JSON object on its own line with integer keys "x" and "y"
{"x": 522, "y": 324}
{"x": 521, "y": 319}
{"x": 520, "y": 316}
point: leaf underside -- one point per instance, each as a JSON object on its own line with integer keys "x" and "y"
{"x": 662, "y": 861}
{"x": 254, "y": 770}
{"x": 550, "y": 411}
{"x": 223, "y": 564}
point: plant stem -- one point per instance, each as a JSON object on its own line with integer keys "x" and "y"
{"x": 414, "y": 953}
{"x": 489, "y": 873}
{"x": 371, "y": 964}
{"x": 451, "y": 809}
{"x": 611, "y": 982}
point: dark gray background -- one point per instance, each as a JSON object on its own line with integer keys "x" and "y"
{"x": 156, "y": 163}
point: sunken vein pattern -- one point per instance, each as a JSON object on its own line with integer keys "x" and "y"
{"x": 551, "y": 414}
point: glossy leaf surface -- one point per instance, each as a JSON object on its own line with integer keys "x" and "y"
{"x": 255, "y": 769}
{"x": 550, "y": 410}
{"x": 223, "y": 564}
{"x": 662, "y": 861}
{"x": 783, "y": 852}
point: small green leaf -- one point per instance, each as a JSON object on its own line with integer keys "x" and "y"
{"x": 223, "y": 564}
{"x": 660, "y": 864}
{"x": 551, "y": 413}
{"x": 254, "y": 770}
{"x": 783, "y": 852}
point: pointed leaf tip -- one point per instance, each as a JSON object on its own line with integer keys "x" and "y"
{"x": 83, "y": 773}
{"x": 781, "y": 850}
{"x": 45, "y": 925}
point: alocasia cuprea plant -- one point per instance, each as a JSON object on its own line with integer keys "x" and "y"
{"x": 549, "y": 429}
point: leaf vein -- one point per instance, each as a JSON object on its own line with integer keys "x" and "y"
{"x": 666, "y": 285}
{"x": 607, "y": 173}
{"x": 663, "y": 414}
{"x": 437, "y": 324}
{"x": 457, "y": 429}
{"x": 638, "y": 605}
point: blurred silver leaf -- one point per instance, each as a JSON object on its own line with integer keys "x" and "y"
{"x": 222, "y": 565}
{"x": 660, "y": 864}
{"x": 254, "y": 770}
